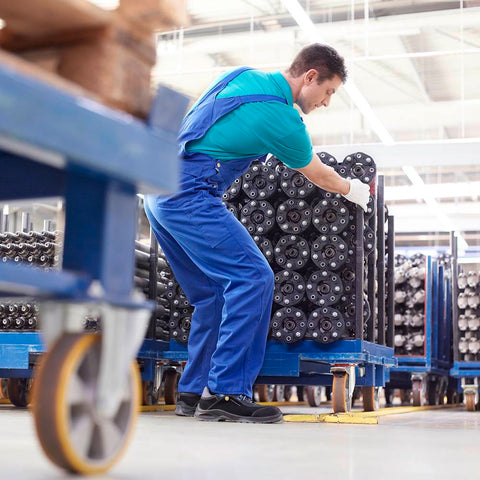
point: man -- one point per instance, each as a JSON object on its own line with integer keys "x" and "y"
{"x": 243, "y": 116}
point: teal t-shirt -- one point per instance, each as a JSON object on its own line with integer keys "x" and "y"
{"x": 257, "y": 128}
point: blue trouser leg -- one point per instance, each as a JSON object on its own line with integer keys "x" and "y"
{"x": 224, "y": 251}
{"x": 207, "y": 298}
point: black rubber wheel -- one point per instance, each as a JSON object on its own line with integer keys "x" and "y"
{"x": 389, "y": 396}
{"x": 287, "y": 393}
{"x": 265, "y": 393}
{"x": 314, "y": 395}
{"x": 3, "y": 388}
{"x": 406, "y": 396}
{"x": 150, "y": 395}
{"x": 18, "y": 390}
{"x": 278, "y": 393}
{"x": 300, "y": 393}
{"x": 328, "y": 393}
{"x": 170, "y": 382}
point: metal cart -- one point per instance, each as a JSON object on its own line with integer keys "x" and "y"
{"x": 364, "y": 361}
{"x": 467, "y": 372}
{"x": 55, "y": 144}
{"x": 427, "y": 375}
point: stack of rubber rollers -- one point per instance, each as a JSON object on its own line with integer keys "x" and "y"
{"x": 409, "y": 305}
{"x": 468, "y": 321}
{"x": 36, "y": 249}
{"x": 308, "y": 237}
{"x": 173, "y": 312}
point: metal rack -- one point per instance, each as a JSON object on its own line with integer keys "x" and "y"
{"x": 53, "y": 143}
{"x": 467, "y": 372}
{"x": 427, "y": 375}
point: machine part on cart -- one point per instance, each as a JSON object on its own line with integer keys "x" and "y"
{"x": 329, "y": 252}
{"x": 370, "y": 399}
{"x": 324, "y": 289}
{"x": 289, "y": 325}
{"x": 265, "y": 393}
{"x": 259, "y": 182}
{"x": 292, "y": 252}
{"x": 327, "y": 159}
{"x": 330, "y": 214}
{"x": 18, "y": 391}
{"x": 171, "y": 377}
{"x": 359, "y": 165}
{"x": 470, "y": 393}
{"x": 342, "y": 388}
{"x": 369, "y": 240}
{"x": 314, "y": 395}
{"x": 258, "y": 217}
{"x": 232, "y": 208}
{"x": 289, "y": 288}
{"x": 294, "y": 216}
{"x": 293, "y": 183}
{"x": 233, "y": 191}
{"x": 74, "y": 432}
{"x": 265, "y": 246}
{"x": 326, "y": 325}
{"x": 180, "y": 323}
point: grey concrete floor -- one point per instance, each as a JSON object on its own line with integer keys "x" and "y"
{"x": 434, "y": 444}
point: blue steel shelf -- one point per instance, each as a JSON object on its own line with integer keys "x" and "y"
{"x": 465, "y": 369}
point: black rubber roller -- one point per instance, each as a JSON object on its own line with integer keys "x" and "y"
{"x": 292, "y": 252}
{"x": 288, "y": 325}
{"x": 293, "y": 183}
{"x": 265, "y": 246}
{"x": 289, "y": 288}
{"x": 259, "y": 182}
{"x": 330, "y": 214}
{"x": 233, "y": 191}
{"x": 294, "y": 216}
{"x": 324, "y": 288}
{"x": 327, "y": 159}
{"x": 326, "y": 325}
{"x": 329, "y": 252}
{"x": 359, "y": 165}
{"x": 258, "y": 217}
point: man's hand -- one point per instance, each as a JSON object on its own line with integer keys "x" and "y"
{"x": 359, "y": 193}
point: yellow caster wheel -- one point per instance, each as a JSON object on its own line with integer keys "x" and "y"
{"x": 370, "y": 399}
{"x": 339, "y": 393}
{"x": 18, "y": 391}
{"x": 71, "y": 430}
{"x": 170, "y": 387}
{"x": 470, "y": 401}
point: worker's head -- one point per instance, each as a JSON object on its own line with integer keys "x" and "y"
{"x": 318, "y": 71}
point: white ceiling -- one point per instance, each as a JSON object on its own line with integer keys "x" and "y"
{"x": 417, "y": 63}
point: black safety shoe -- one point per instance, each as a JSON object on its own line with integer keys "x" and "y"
{"x": 186, "y": 404}
{"x": 234, "y": 408}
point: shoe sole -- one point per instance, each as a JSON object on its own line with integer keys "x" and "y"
{"x": 222, "y": 416}
{"x": 183, "y": 410}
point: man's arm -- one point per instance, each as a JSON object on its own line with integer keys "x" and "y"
{"x": 327, "y": 178}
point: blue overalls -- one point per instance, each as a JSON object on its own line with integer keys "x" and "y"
{"x": 221, "y": 270}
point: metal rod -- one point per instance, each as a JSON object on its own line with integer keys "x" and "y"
{"x": 454, "y": 248}
{"x": 381, "y": 259}
{"x": 153, "y": 277}
{"x": 359, "y": 274}
{"x": 25, "y": 221}
{"x": 391, "y": 282}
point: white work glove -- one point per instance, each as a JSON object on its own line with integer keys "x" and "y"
{"x": 359, "y": 193}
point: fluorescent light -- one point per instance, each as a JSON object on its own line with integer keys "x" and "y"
{"x": 436, "y": 190}
{"x": 305, "y": 23}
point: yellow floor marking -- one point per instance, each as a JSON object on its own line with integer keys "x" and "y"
{"x": 156, "y": 408}
{"x": 283, "y": 404}
{"x": 359, "y": 417}
{"x": 4, "y": 401}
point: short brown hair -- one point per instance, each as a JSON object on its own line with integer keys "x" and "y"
{"x": 323, "y": 58}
